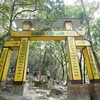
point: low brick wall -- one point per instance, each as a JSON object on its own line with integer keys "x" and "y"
{"x": 78, "y": 92}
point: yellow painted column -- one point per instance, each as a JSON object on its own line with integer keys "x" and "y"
{"x": 4, "y": 63}
{"x": 88, "y": 65}
{"x": 75, "y": 75}
{"x": 20, "y": 72}
{"x": 93, "y": 72}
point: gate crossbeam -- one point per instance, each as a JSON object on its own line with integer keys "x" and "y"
{"x": 46, "y": 35}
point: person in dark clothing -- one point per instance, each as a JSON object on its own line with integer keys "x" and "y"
{"x": 12, "y": 69}
{"x": 35, "y": 73}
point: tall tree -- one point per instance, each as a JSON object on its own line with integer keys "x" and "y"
{"x": 88, "y": 23}
{"x": 43, "y": 10}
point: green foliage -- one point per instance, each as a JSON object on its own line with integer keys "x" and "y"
{"x": 4, "y": 16}
{"x": 47, "y": 55}
{"x": 96, "y": 37}
{"x": 70, "y": 11}
{"x": 52, "y": 11}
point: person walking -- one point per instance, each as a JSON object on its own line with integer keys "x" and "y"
{"x": 38, "y": 73}
{"x": 48, "y": 75}
{"x": 27, "y": 71}
{"x": 35, "y": 73}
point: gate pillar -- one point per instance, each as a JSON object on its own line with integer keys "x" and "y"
{"x": 75, "y": 75}
{"x": 21, "y": 66}
{"x": 93, "y": 72}
{"x": 4, "y": 64}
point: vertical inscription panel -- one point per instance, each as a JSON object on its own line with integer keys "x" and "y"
{"x": 21, "y": 60}
{"x": 74, "y": 59}
{"x": 3, "y": 60}
{"x": 93, "y": 63}
{"x": 69, "y": 68}
{"x": 7, "y": 63}
{"x": 69, "y": 63}
{"x": 26, "y": 62}
{"x": 86, "y": 56}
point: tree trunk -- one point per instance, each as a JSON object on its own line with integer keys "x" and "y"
{"x": 90, "y": 39}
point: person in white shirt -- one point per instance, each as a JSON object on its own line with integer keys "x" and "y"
{"x": 48, "y": 75}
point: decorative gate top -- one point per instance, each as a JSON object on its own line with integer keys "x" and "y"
{"x": 58, "y": 24}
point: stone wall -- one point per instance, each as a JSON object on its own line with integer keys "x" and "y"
{"x": 78, "y": 92}
{"x": 95, "y": 91}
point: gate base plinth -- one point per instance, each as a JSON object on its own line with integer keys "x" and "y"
{"x": 2, "y": 85}
{"x": 78, "y": 92}
{"x": 95, "y": 91}
{"x": 18, "y": 89}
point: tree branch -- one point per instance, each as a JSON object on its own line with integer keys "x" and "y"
{"x": 82, "y": 35}
{"x": 22, "y": 12}
{"x": 55, "y": 55}
{"x": 86, "y": 19}
{"x": 4, "y": 14}
{"x": 97, "y": 7}
{"x": 12, "y": 18}
{"x": 10, "y": 25}
{"x": 26, "y": 11}
{"x": 5, "y": 35}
